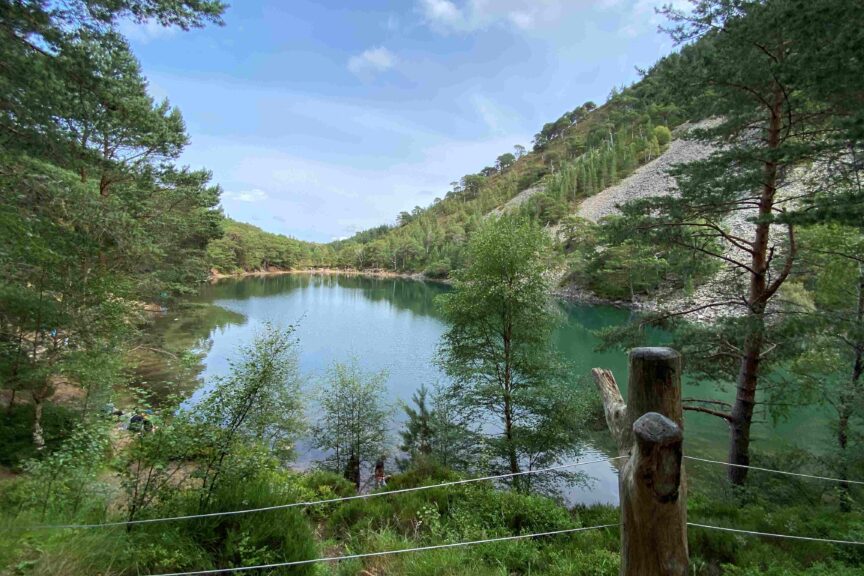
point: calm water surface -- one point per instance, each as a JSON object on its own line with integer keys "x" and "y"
{"x": 392, "y": 324}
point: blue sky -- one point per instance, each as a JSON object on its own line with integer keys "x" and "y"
{"x": 321, "y": 118}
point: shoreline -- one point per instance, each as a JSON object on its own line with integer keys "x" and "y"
{"x": 215, "y": 276}
{"x": 567, "y": 293}
{"x": 574, "y": 295}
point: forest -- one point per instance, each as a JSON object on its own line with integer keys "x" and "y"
{"x": 752, "y": 265}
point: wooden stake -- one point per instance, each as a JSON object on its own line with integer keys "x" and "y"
{"x": 652, "y": 483}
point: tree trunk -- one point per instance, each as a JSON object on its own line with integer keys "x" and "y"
{"x": 652, "y": 484}
{"x": 842, "y": 442}
{"x": 38, "y": 432}
{"x": 512, "y": 457}
{"x": 741, "y": 418}
{"x": 848, "y": 400}
{"x": 759, "y": 294}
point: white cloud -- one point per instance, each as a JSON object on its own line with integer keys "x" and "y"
{"x": 254, "y": 195}
{"x": 371, "y": 61}
{"x": 472, "y": 15}
{"x": 643, "y": 16}
{"x": 630, "y": 30}
{"x": 339, "y": 199}
{"x": 442, "y": 12}
{"x": 144, "y": 33}
{"x": 521, "y": 19}
{"x": 538, "y": 15}
{"x": 392, "y": 23}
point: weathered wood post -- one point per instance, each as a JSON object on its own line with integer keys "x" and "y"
{"x": 652, "y": 484}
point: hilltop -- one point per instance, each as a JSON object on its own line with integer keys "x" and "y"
{"x": 581, "y": 165}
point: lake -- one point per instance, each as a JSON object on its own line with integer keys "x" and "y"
{"x": 392, "y": 324}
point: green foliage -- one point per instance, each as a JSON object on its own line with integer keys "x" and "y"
{"x": 826, "y": 309}
{"x": 622, "y": 271}
{"x": 258, "y": 401}
{"x": 246, "y": 248}
{"x": 67, "y": 478}
{"x": 605, "y": 259}
{"x": 663, "y": 135}
{"x": 437, "y": 270}
{"x": 753, "y": 81}
{"x": 243, "y": 540}
{"x": 766, "y": 512}
{"x": 580, "y": 154}
{"x": 16, "y": 431}
{"x": 418, "y": 430}
{"x": 497, "y": 349}
{"x": 352, "y": 427}
{"x": 90, "y": 231}
{"x": 438, "y": 434}
{"x": 95, "y": 217}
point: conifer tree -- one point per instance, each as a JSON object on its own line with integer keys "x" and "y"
{"x": 771, "y": 123}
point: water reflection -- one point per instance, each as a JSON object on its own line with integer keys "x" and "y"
{"x": 414, "y": 296}
{"x": 392, "y": 324}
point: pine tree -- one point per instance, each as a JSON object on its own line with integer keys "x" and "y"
{"x": 418, "y": 432}
{"x": 757, "y": 82}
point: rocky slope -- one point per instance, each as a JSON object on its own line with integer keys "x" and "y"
{"x": 652, "y": 179}
{"x": 517, "y": 200}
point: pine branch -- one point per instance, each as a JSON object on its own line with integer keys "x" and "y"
{"x": 723, "y": 415}
{"x": 719, "y": 402}
{"x": 715, "y": 255}
{"x": 685, "y": 312}
{"x": 787, "y": 265}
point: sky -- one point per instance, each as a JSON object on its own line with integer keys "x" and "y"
{"x": 322, "y": 118}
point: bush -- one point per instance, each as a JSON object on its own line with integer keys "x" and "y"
{"x": 274, "y": 536}
{"x": 16, "y": 431}
{"x": 626, "y": 270}
{"x": 326, "y": 484}
{"x": 530, "y": 176}
{"x": 439, "y": 269}
{"x": 663, "y": 135}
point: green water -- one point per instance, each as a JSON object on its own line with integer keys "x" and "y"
{"x": 392, "y": 324}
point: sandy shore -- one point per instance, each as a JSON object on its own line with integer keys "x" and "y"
{"x": 374, "y": 273}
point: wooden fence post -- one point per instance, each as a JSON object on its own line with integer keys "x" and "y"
{"x": 652, "y": 484}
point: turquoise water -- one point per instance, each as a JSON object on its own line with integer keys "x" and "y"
{"x": 392, "y": 324}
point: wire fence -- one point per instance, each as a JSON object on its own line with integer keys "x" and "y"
{"x": 324, "y": 501}
{"x": 773, "y": 535}
{"x": 798, "y": 474}
{"x": 465, "y": 543}
{"x": 308, "y": 503}
{"x": 390, "y": 552}
{"x": 488, "y": 541}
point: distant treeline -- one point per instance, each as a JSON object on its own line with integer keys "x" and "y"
{"x": 246, "y": 248}
{"x": 586, "y": 150}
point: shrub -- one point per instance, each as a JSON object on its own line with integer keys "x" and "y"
{"x": 16, "y": 431}
{"x": 438, "y": 269}
{"x": 273, "y": 536}
{"x": 663, "y": 135}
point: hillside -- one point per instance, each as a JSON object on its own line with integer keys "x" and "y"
{"x": 333, "y": 425}
{"x": 582, "y": 153}
{"x": 246, "y": 248}
{"x": 651, "y": 179}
